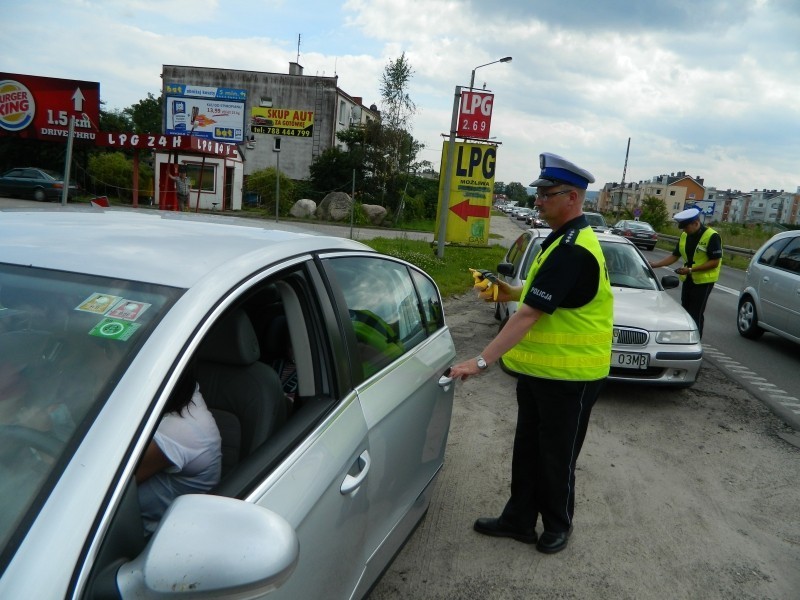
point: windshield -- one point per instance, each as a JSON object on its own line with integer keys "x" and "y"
{"x": 626, "y": 267}
{"x": 65, "y": 340}
{"x": 595, "y": 220}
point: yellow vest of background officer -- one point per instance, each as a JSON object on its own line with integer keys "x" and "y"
{"x": 572, "y": 344}
{"x": 700, "y": 256}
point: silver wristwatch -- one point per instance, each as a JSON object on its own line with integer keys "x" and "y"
{"x": 481, "y": 363}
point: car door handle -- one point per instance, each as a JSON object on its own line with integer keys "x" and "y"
{"x": 352, "y": 482}
{"x": 445, "y": 381}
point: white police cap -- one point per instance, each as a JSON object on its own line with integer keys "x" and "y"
{"x": 556, "y": 170}
{"x": 685, "y": 217}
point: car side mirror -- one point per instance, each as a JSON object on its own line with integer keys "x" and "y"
{"x": 212, "y": 546}
{"x": 670, "y": 281}
{"x": 505, "y": 268}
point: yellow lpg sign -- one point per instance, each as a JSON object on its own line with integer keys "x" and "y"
{"x": 471, "y": 189}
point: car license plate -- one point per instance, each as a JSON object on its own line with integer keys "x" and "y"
{"x": 629, "y": 360}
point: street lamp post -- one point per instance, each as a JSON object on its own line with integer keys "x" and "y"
{"x": 444, "y": 201}
{"x": 472, "y": 80}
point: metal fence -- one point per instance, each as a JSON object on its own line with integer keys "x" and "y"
{"x": 746, "y": 252}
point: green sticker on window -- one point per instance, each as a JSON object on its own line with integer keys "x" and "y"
{"x": 114, "y": 329}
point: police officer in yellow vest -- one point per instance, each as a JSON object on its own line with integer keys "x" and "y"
{"x": 559, "y": 342}
{"x": 700, "y": 247}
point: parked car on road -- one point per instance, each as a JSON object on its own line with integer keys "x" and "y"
{"x": 655, "y": 340}
{"x": 596, "y": 221}
{"x": 38, "y": 184}
{"x": 770, "y": 297}
{"x": 534, "y": 221}
{"x": 639, "y": 232}
{"x": 101, "y": 312}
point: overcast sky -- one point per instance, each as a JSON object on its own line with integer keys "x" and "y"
{"x": 709, "y": 87}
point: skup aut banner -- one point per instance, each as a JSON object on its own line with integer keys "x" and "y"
{"x": 471, "y": 189}
{"x": 282, "y": 121}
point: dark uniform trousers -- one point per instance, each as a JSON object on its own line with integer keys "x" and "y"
{"x": 693, "y": 298}
{"x": 552, "y": 420}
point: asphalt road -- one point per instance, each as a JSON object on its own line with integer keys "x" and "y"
{"x": 767, "y": 368}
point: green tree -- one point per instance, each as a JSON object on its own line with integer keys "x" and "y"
{"x": 499, "y": 187}
{"x": 146, "y": 116}
{"x": 518, "y": 192}
{"x": 654, "y": 212}
{"x": 114, "y": 120}
{"x": 400, "y": 149}
{"x": 263, "y": 182}
{"x": 111, "y": 174}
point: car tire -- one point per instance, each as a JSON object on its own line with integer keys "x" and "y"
{"x": 39, "y": 195}
{"x": 747, "y": 319}
{"x": 650, "y": 248}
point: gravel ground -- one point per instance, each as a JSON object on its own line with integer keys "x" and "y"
{"x": 681, "y": 494}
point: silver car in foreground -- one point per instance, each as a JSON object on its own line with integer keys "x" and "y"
{"x": 101, "y": 311}
{"x": 770, "y": 297}
{"x": 655, "y": 340}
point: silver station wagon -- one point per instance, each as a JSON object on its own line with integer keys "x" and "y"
{"x": 655, "y": 340}
{"x": 770, "y": 297}
{"x": 102, "y": 312}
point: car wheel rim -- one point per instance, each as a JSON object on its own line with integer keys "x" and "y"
{"x": 746, "y": 316}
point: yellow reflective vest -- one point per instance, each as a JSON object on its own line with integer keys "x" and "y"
{"x": 572, "y": 344}
{"x": 700, "y": 256}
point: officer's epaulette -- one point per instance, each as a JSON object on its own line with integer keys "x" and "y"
{"x": 570, "y": 237}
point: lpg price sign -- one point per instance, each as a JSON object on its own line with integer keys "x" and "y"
{"x": 475, "y": 114}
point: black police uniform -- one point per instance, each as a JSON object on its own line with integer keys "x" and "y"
{"x": 694, "y": 296}
{"x": 553, "y": 415}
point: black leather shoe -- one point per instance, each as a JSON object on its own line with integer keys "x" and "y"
{"x": 551, "y": 542}
{"x": 499, "y": 528}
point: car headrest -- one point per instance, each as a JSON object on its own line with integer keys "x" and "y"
{"x": 232, "y": 341}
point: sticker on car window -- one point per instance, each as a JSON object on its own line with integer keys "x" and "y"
{"x": 113, "y": 329}
{"x": 128, "y": 310}
{"x": 98, "y": 303}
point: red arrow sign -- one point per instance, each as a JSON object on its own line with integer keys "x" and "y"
{"x": 465, "y": 209}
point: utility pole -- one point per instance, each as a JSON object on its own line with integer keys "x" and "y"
{"x": 624, "y": 170}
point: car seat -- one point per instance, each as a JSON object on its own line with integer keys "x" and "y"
{"x": 276, "y": 351}
{"x": 244, "y": 395}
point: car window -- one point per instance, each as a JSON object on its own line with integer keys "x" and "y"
{"x": 430, "y": 301}
{"x": 789, "y": 258}
{"x": 516, "y": 252}
{"x": 595, "y": 220}
{"x": 773, "y": 250}
{"x": 383, "y": 307}
{"x": 626, "y": 268}
{"x": 65, "y": 340}
{"x": 536, "y": 245}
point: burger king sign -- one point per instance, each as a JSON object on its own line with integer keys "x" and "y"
{"x": 43, "y": 107}
{"x": 17, "y": 106}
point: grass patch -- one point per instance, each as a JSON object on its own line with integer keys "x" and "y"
{"x": 451, "y": 272}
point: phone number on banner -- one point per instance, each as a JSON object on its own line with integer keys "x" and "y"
{"x": 281, "y": 131}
